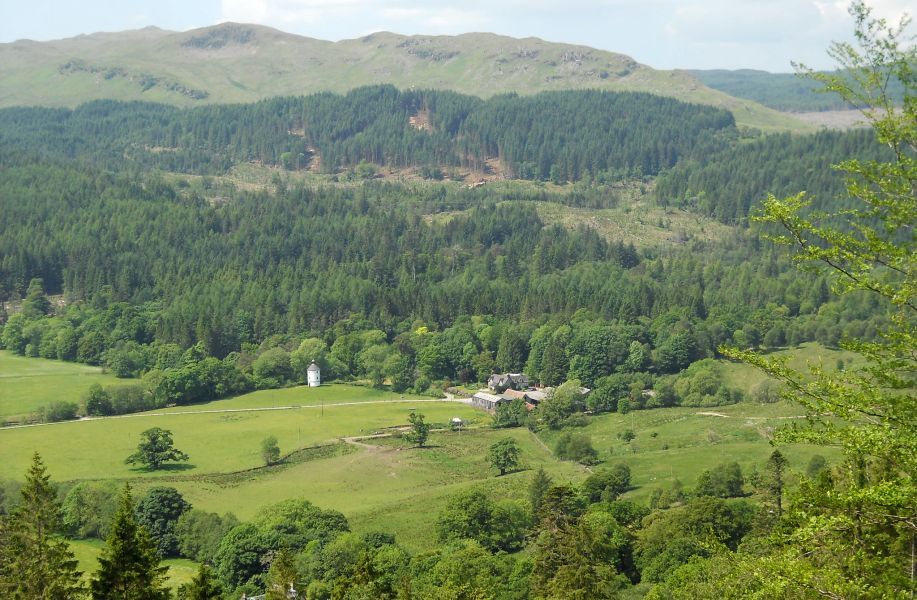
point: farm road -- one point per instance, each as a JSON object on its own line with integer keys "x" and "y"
{"x": 722, "y": 416}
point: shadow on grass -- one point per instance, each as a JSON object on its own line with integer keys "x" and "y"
{"x": 166, "y": 468}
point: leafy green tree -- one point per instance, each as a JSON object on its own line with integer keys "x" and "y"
{"x": 155, "y": 448}
{"x": 372, "y": 360}
{"x": 472, "y": 515}
{"x": 859, "y": 534}
{"x": 158, "y": 511}
{"x": 817, "y": 464}
{"x": 97, "y": 401}
{"x": 511, "y": 414}
{"x": 504, "y": 455}
{"x": 199, "y": 533}
{"x": 293, "y": 524}
{"x": 34, "y": 561}
{"x": 88, "y": 509}
{"x": 274, "y": 365}
{"x": 129, "y": 564}
{"x": 675, "y": 353}
{"x": 239, "y": 556}
{"x": 577, "y": 447}
{"x": 670, "y": 538}
{"x": 722, "y": 481}
{"x": 419, "y": 431}
{"x": 581, "y": 560}
{"x": 564, "y": 401}
{"x": 627, "y": 435}
{"x": 400, "y": 371}
{"x": 607, "y": 484}
{"x": 203, "y": 586}
{"x": 270, "y": 450}
{"x": 282, "y": 576}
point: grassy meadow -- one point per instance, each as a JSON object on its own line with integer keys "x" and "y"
{"x": 27, "y": 384}
{"x": 87, "y": 552}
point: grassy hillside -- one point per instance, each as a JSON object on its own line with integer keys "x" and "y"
{"x": 27, "y": 384}
{"x": 243, "y": 63}
{"x": 780, "y": 91}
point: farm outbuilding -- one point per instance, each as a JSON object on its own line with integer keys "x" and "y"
{"x": 314, "y": 375}
{"x": 487, "y": 401}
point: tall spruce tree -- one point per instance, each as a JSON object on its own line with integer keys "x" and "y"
{"x": 129, "y": 565}
{"x": 35, "y": 564}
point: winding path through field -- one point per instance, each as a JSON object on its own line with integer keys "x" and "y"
{"x": 722, "y": 416}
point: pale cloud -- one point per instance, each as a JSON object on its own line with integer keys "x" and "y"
{"x": 744, "y": 21}
{"x": 771, "y": 33}
{"x": 893, "y": 10}
{"x": 347, "y": 18}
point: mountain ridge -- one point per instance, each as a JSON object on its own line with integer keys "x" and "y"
{"x": 235, "y": 62}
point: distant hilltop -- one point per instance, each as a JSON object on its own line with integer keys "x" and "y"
{"x": 234, "y": 62}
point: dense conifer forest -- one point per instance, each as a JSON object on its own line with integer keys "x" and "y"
{"x": 561, "y": 135}
{"x": 151, "y": 266}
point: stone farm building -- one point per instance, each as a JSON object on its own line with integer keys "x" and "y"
{"x": 500, "y": 382}
{"x": 489, "y": 402}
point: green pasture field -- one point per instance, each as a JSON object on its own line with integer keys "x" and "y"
{"x": 216, "y": 442}
{"x": 746, "y": 377}
{"x": 388, "y": 485}
{"x": 87, "y": 552}
{"x": 382, "y": 484}
{"x": 27, "y": 384}
{"x": 333, "y": 393}
{"x": 688, "y": 441}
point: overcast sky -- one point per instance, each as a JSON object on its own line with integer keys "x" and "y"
{"x": 704, "y": 34}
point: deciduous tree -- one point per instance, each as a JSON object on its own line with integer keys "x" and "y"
{"x": 859, "y": 534}
{"x": 158, "y": 511}
{"x": 504, "y": 455}
{"x": 155, "y": 448}
{"x": 419, "y": 431}
{"x": 270, "y": 451}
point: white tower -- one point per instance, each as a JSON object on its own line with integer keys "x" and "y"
{"x": 314, "y": 375}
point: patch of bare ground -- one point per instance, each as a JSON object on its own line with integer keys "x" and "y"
{"x": 421, "y": 121}
{"x": 834, "y": 119}
{"x": 315, "y": 162}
